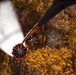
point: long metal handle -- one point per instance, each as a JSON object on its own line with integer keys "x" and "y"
{"x": 34, "y": 29}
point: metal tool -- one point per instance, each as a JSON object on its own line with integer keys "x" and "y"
{"x": 57, "y": 6}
